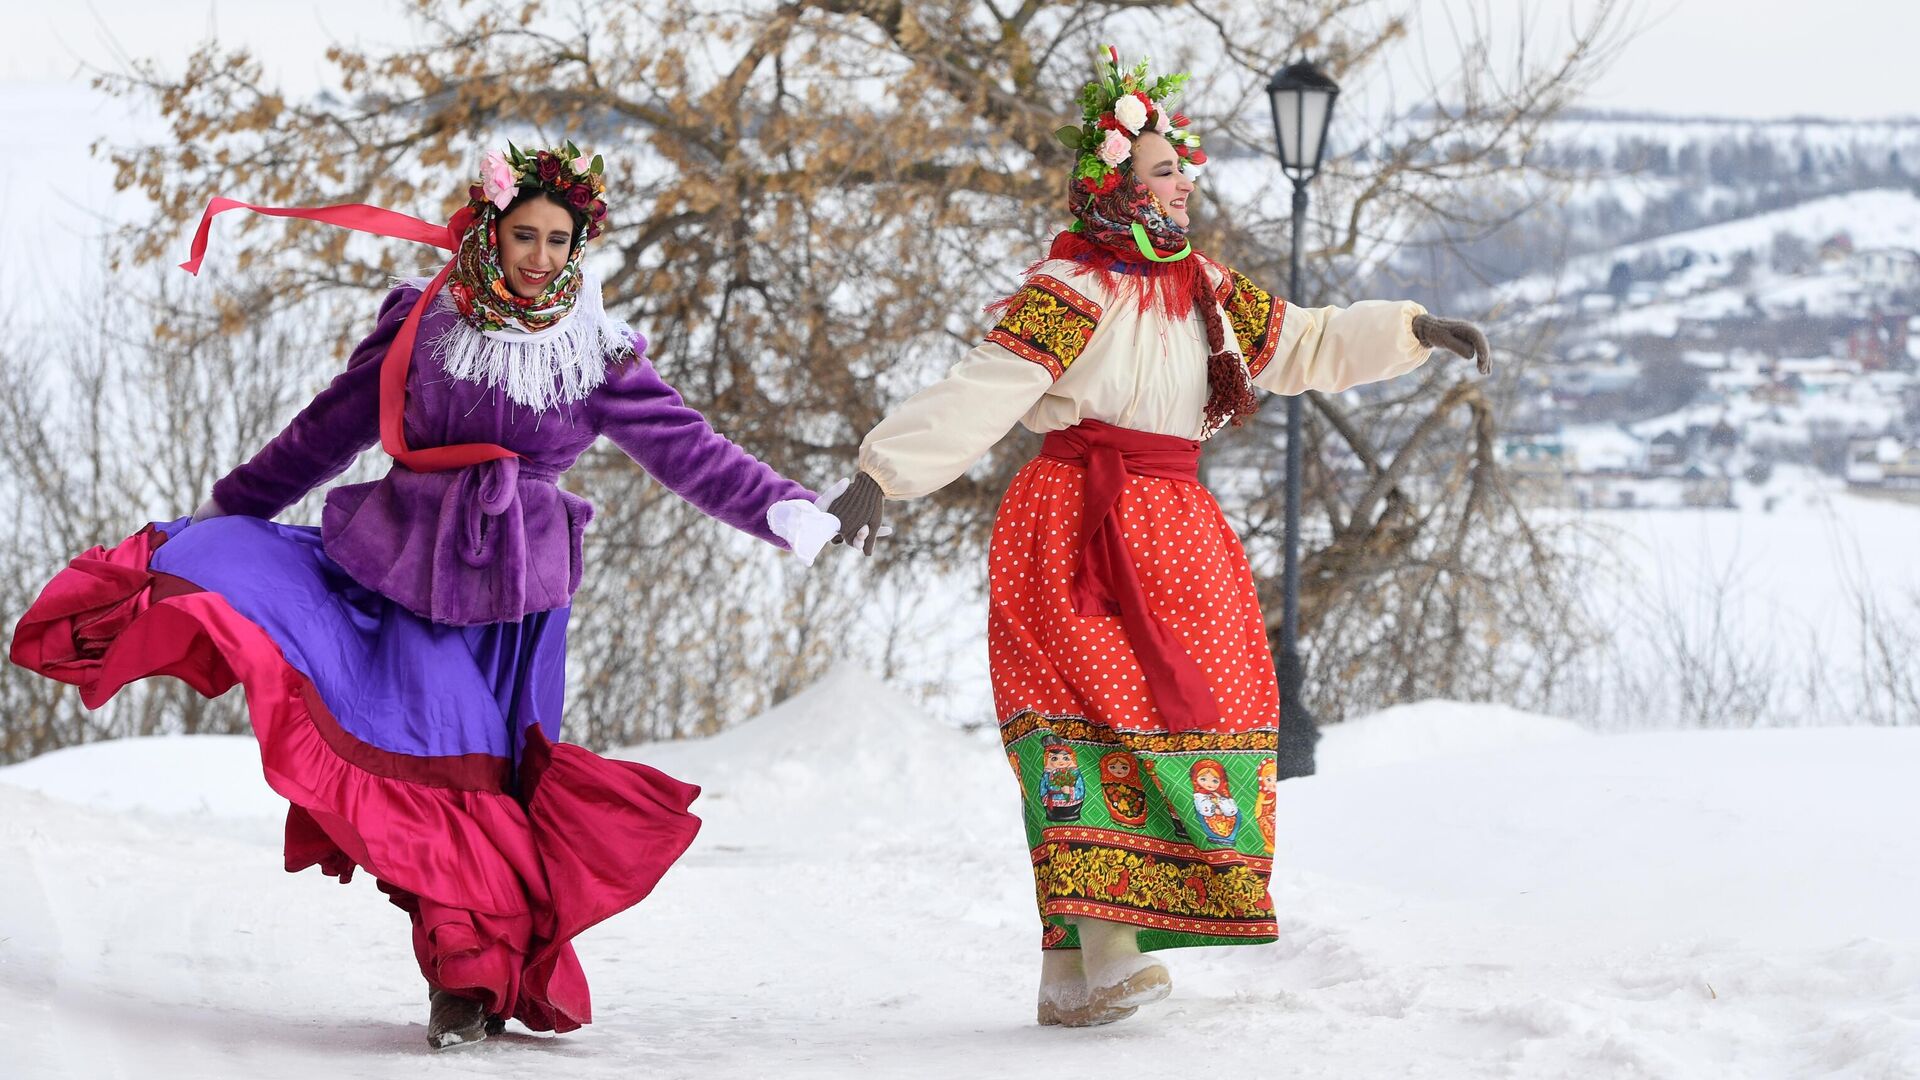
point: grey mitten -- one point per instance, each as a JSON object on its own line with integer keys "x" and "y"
{"x": 1457, "y": 336}
{"x": 859, "y": 509}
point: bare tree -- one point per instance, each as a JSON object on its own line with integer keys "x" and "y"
{"x": 816, "y": 198}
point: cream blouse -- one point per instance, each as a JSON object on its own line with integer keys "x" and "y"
{"x": 1069, "y": 349}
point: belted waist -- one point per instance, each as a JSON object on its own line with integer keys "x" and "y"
{"x": 1094, "y": 444}
{"x": 481, "y": 493}
{"x": 515, "y": 467}
{"x": 482, "y": 543}
{"x": 1106, "y": 582}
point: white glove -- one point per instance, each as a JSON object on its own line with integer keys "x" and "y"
{"x": 806, "y": 526}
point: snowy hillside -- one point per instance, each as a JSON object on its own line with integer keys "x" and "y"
{"x": 1888, "y": 217}
{"x": 1466, "y": 891}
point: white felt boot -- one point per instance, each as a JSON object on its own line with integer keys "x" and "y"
{"x": 1118, "y": 974}
{"x": 1064, "y": 998}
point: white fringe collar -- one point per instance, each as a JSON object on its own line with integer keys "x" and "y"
{"x": 556, "y": 366}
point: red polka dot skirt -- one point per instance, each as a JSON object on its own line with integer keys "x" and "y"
{"x": 1126, "y": 821}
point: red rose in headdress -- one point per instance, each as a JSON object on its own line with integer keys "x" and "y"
{"x": 549, "y": 167}
{"x": 1109, "y": 122}
{"x": 579, "y": 196}
{"x": 1198, "y": 157}
{"x": 1180, "y": 120}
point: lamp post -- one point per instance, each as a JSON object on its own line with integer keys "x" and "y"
{"x": 1302, "y": 96}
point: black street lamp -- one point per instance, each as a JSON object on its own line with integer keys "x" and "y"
{"x": 1302, "y": 97}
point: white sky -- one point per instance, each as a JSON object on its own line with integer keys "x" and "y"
{"x": 291, "y": 36}
{"x": 1677, "y": 63}
{"x": 1748, "y": 58}
{"x": 1842, "y": 58}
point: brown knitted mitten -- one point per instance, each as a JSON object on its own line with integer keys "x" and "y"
{"x": 860, "y": 505}
{"x": 1456, "y": 336}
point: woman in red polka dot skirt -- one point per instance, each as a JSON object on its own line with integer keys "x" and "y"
{"x": 1135, "y": 691}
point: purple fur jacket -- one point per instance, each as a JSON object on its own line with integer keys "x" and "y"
{"x": 497, "y": 541}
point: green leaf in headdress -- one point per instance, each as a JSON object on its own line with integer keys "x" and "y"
{"x": 1072, "y": 136}
{"x": 598, "y": 165}
{"x": 572, "y": 150}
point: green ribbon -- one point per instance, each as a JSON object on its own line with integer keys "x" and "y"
{"x": 1141, "y": 241}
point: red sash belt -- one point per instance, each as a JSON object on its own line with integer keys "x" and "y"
{"x": 1106, "y": 581}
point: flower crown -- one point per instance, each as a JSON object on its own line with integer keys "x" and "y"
{"x": 1116, "y": 107}
{"x": 563, "y": 170}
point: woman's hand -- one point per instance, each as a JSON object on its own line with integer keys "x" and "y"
{"x": 1456, "y": 336}
{"x": 859, "y": 509}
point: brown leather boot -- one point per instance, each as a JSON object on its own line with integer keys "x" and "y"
{"x": 453, "y": 1020}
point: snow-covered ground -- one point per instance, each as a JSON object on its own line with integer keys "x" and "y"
{"x": 1767, "y": 595}
{"x": 1465, "y": 891}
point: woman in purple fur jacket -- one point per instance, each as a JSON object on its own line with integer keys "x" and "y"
{"x": 405, "y": 663}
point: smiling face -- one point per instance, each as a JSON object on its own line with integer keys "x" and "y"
{"x": 535, "y": 239}
{"x": 1058, "y": 759}
{"x": 1208, "y": 781}
{"x": 1157, "y": 166}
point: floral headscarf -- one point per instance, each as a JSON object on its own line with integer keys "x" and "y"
{"x": 478, "y": 285}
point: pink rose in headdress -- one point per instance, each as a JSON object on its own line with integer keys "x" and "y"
{"x": 1130, "y": 111}
{"x": 1115, "y": 148}
{"x": 497, "y": 180}
{"x": 581, "y": 164}
{"x": 1162, "y": 123}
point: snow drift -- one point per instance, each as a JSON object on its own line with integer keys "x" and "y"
{"x": 1465, "y": 891}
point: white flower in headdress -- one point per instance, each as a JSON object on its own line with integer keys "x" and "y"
{"x": 1130, "y": 112}
{"x": 1115, "y": 148}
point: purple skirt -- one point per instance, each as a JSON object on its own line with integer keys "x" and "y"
{"x": 429, "y": 754}
{"x": 394, "y": 680}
